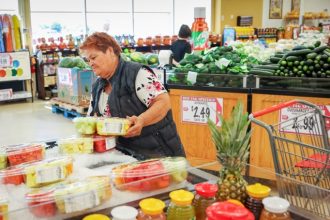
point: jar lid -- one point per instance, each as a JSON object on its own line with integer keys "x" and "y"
{"x": 276, "y": 204}
{"x": 199, "y": 12}
{"x": 258, "y": 190}
{"x": 152, "y": 206}
{"x": 181, "y": 197}
{"x": 228, "y": 211}
{"x": 206, "y": 189}
{"x": 124, "y": 212}
{"x": 96, "y": 217}
{"x": 235, "y": 201}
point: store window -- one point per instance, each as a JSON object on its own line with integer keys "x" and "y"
{"x": 9, "y": 7}
{"x": 57, "y": 19}
{"x": 109, "y": 16}
{"x": 140, "y": 18}
{"x": 153, "y": 17}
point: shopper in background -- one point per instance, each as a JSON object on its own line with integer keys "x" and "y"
{"x": 128, "y": 89}
{"x": 181, "y": 46}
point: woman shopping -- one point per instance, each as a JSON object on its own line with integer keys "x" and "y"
{"x": 131, "y": 90}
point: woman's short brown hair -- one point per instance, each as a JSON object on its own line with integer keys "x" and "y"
{"x": 101, "y": 41}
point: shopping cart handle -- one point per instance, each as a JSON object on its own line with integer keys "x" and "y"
{"x": 273, "y": 108}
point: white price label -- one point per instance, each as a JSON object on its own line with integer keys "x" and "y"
{"x": 110, "y": 143}
{"x": 49, "y": 174}
{"x": 81, "y": 202}
{"x": 302, "y": 121}
{"x": 199, "y": 109}
{"x": 191, "y": 77}
{"x": 64, "y": 76}
{"x": 223, "y": 62}
{"x": 5, "y": 60}
{"x": 113, "y": 127}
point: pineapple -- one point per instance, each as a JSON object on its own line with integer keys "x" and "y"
{"x": 232, "y": 144}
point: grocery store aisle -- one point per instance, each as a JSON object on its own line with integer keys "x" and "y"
{"x": 29, "y": 122}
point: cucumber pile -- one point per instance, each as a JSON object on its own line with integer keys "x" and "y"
{"x": 300, "y": 62}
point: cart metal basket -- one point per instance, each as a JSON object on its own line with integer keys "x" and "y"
{"x": 301, "y": 151}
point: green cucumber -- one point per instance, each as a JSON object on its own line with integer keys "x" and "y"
{"x": 291, "y": 58}
{"x": 259, "y": 72}
{"x": 267, "y": 67}
{"x": 299, "y": 47}
{"x": 311, "y": 55}
{"x": 320, "y": 49}
{"x": 298, "y": 53}
{"x": 274, "y": 60}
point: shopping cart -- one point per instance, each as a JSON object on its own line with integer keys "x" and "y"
{"x": 301, "y": 152}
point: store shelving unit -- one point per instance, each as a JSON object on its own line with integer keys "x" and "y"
{"x": 47, "y": 71}
{"x": 15, "y": 75}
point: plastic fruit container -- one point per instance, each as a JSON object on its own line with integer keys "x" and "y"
{"x": 12, "y": 175}
{"x": 25, "y": 153}
{"x": 48, "y": 171}
{"x": 3, "y": 209}
{"x": 112, "y": 126}
{"x": 3, "y": 160}
{"x": 41, "y": 203}
{"x": 103, "y": 144}
{"x": 82, "y": 195}
{"x": 85, "y": 125}
{"x": 76, "y": 145}
{"x": 150, "y": 174}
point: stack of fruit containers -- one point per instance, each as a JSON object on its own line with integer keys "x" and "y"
{"x": 150, "y": 175}
{"x": 102, "y": 131}
{"x": 69, "y": 196}
{"x": 39, "y": 173}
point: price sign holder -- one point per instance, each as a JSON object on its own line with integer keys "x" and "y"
{"x": 198, "y": 109}
{"x": 302, "y": 120}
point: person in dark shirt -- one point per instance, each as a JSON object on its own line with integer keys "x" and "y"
{"x": 181, "y": 46}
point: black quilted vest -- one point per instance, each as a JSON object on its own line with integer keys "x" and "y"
{"x": 157, "y": 140}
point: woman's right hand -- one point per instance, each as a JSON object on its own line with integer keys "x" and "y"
{"x": 137, "y": 123}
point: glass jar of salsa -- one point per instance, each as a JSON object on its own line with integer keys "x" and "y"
{"x": 205, "y": 196}
{"x": 275, "y": 208}
{"x": 151, "y": 209}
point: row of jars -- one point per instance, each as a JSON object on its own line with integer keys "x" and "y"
{"x": 203, "y": 205}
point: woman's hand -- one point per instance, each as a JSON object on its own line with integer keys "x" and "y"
{"x": 137, "y": 124}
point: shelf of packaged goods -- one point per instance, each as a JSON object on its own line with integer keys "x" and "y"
{"x": 16, "y": 96}
{"x": 267, "y": 36}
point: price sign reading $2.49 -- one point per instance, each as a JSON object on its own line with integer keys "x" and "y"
{"x": 199, "y": 109}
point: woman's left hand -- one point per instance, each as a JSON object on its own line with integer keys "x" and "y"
{"x": 137, "y": 124}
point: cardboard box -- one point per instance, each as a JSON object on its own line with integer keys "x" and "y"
{"x": 49, "y": 80}
{"x": 74, "y": 85}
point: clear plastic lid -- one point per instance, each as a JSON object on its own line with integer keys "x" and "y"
{"x": 23, "y": 148}
{"x": 3, "y": 201}
{"x": 85, "y": 125}
{"x": 124, "y": 213}
{"x": 82, "y": 195}
{"x": 112, "y": 126}
{"x": 48, "y": 171}
{"x": 42, "y": 195}
{"x": 276, "y": 204}
{"x": 76, "y": 145}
